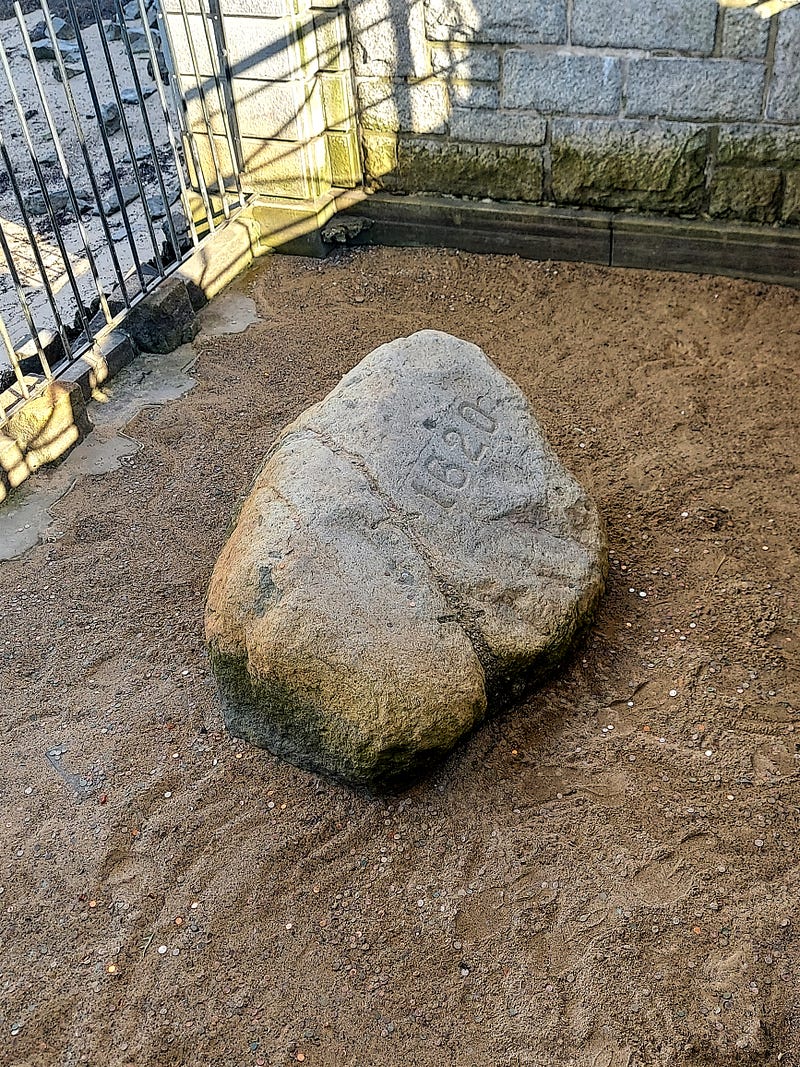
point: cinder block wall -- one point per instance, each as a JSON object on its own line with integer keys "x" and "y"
{"x": 669, "y": 106}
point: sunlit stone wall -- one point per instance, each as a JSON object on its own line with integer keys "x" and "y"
{"x": 653, "y": 105}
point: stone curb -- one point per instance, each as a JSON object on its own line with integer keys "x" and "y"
{"x": 102, "y": 362}
{"x": 45, "y": 429}
{"x": 757, "y": 253}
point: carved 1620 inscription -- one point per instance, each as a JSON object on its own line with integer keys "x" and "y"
{"x": 456, "y": 450}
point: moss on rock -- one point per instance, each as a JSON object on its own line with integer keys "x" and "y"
{"x": 634, "y": 166}
{"x": 748, "y": 193}
{"x": 432, "y": 166}
{"x": 790, "y": 210}
{"x": 748, "y": 146}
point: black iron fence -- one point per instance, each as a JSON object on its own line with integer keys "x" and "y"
{"x": 103, "y": 191}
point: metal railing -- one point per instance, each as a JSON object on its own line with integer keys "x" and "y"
{"x": 105, "y": 191}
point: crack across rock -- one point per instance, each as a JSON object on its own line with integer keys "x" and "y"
{"x": 427, "y": 557}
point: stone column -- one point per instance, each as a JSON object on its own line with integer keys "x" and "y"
{"x": 285, "y": 71}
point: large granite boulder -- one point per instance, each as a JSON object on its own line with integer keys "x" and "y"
{"x": 411, "y": 552}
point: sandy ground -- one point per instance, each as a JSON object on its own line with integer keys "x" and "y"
{"x": 607, "y": 875}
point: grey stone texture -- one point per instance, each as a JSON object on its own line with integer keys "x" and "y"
{"x": 750, "y": 144}
{"x": 675, "y": 25}
{"x": 784, "y": 94}
{"x": 389, "y": 38}
{"x": 562, "y": 83}
{"x": 411, "y": 554}
{"x": 519, "y": 65}
{"x": 110, "y": 116}
{"x": 273, "y": 110}
{"x": 465, "y": 63}
{"x": 421, "y": 107}
{"x": 497, "y": 127}
{"x": 473, "y": 94}
{"x": 643, "y": 166}
{"x": 271, "y": 9}
{"x": 164, "y": 320}
{"x": 36, "y": 204}
{"x": 63, "y": 29}
{"x": 71, "y": 69}
{"x": 43, "y": 49}
{"x": 138, "y": 41}
{"x": 744, "y": 34}
{"x": 258, "y": 48}
{"x": 333, "y": 47}
{"x": 509, "y": 22}
{"x": 695, "y": 89}
{"x": 130, "y": 192}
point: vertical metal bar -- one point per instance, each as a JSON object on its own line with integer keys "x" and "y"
{"x": 86, "y": 157}
{"x": 26, "y": 310}
{"x": 148, "y": 131}
{"x": 183, "y": 111}
{"x": 168, "y": 122}
{"x": 101, "y": 33}
{"x": 12, "y": 355}
{"x": 34, "y": 243}
{"x": 59, "y": 152}
{"x": 126, "y": 222}
{"x": 226, "y": 107}
{"x": 43, "y": 184}
{"x": 206, "y": 118}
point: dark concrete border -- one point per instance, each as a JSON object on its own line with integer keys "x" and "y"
{"x": 759, "y": 253}
{"x": 755, "y": 252}
{"x": 516, "y": 229}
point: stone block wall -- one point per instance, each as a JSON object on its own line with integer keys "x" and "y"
{"x": 670, "y": 106}
{"x": 274, "y": 83}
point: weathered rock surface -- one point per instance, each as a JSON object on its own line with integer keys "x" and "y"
{"x": 411, "y": 552}
{"x": 163, "y": 320}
